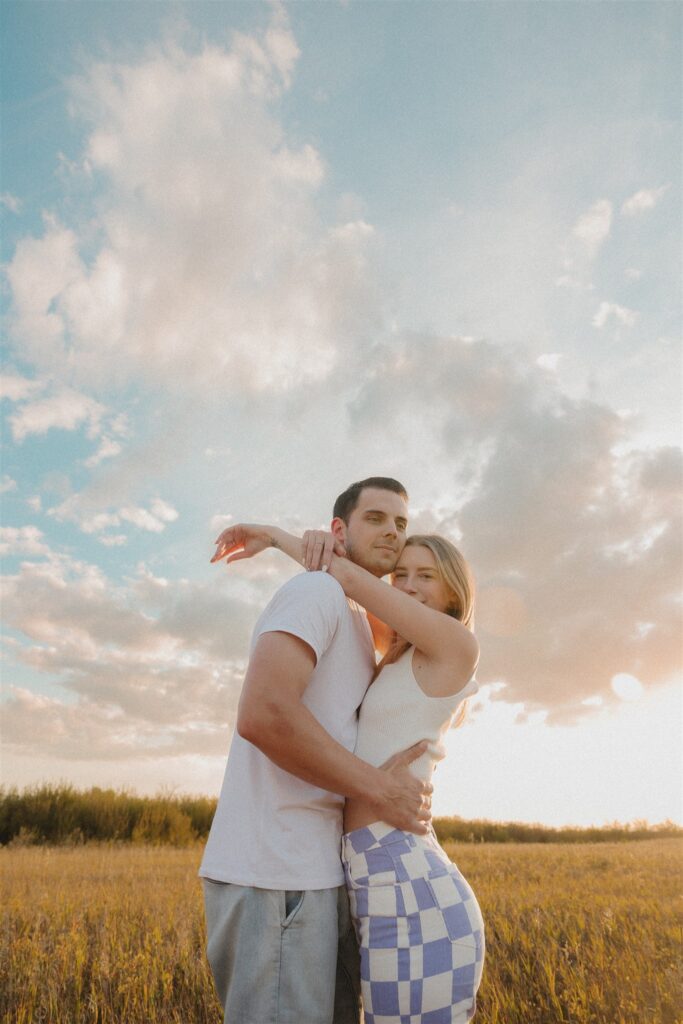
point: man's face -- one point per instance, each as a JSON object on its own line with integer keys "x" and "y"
{"x": 376, "y": 531}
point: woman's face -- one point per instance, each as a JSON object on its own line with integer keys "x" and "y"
{"x": 416, "y": 574}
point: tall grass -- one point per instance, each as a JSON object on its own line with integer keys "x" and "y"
{"x": 576, "y": 934}
{"x": 62, "y": 814}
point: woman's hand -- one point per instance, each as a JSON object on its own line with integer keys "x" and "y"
{"x": 244, "y": 540}
{"x": 318, "y": 548}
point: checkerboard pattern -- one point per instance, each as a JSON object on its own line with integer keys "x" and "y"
{"x": 419, "y": 927}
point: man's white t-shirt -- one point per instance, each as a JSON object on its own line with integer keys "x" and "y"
{"x": 272, "y": 830}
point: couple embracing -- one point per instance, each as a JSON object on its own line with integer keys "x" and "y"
{"x": 333, "y": 754}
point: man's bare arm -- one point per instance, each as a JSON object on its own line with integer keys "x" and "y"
{"x": 271, "y": 715}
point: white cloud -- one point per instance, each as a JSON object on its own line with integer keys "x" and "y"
{"x": 610, "y": 310}
{"x": 163, "y": 511}
{"x": 107, "y": 450}
{"x": 645, "y": 199}
{"x": 220, "y": 522}
{"x": 39, "y": 272}
{"x": 12, "y": 203}
{"x": 593, "y": 227}
{"x": 213, "y": 268}
{"x": 529, "y": 483}
{"x": 280, "y": 43}
{"x": 536, "y": 487}
{"x": 93, "y": 524}
{"x": 7, "y": 484}
{"x": 581, "y": 249}
{"x": 633, "y": 274}
{"x": 153, "y": 520}
{"x": 567, "y": 281}
{"x": 77, "y": 508}
{"x": 66, "y": 410}
{"x": 113, "y": 540}
{"x": 17, "y": 388}
{"x": 22, "y": 540}
{"x": 550, "y": 361}
{"x": 149, "y": 667}
{"x": 305, "y": 166}
{"x": 207, "y": 274}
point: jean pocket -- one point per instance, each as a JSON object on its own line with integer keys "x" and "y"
{"x": 439, "y": 872}
{"x": 372, "y": 868}
{"x": 292, "y": 900}
{"x": 460, "y": 911}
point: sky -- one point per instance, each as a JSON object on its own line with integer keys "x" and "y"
{"x": 252, "y": 252}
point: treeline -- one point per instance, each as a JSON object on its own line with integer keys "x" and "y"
{"x": 63, "y": 815}
{"x": 480, "y": 831}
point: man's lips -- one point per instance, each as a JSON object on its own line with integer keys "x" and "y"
{"x": 386, "y": 547}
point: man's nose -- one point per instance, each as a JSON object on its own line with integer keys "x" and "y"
{"x": 391, "y": 530}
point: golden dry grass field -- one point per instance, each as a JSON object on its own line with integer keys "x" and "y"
{"x": 580, "y": 934}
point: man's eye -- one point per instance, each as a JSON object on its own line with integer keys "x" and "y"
{"x": 401, "y": 527}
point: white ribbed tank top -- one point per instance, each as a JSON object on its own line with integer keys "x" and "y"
{"x": 396, "y": 712}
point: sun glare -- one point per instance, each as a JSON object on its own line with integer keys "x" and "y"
{"x": 626, "y": 686}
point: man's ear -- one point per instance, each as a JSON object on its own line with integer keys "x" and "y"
{"x": 338, "y": 528}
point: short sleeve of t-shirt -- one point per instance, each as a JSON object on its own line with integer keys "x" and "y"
{"x": 308, "y": 606}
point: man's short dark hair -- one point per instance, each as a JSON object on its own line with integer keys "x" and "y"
{"x": 347, "y": 501}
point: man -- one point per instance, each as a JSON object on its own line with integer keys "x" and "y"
{"x": 280, "y": 939}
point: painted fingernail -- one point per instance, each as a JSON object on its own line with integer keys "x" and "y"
{"x": 324, "y": 569}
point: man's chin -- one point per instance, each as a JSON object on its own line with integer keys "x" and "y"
{"x": 381, "y": 566}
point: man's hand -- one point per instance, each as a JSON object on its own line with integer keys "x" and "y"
{"x": 406, "y": 801}
{"x": 244, "y": 540}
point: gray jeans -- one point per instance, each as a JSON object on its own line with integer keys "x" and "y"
{"x": 282, "y": 957}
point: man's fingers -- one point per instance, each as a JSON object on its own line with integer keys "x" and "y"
{"x": 406, "y": 757}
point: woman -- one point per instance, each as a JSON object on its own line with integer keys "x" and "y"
{"x": 419, "y": 926}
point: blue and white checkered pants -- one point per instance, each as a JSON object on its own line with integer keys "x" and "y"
{"x": 419, "y": 927}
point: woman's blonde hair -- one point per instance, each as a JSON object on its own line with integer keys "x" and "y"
{"x": 456, "y": 576}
